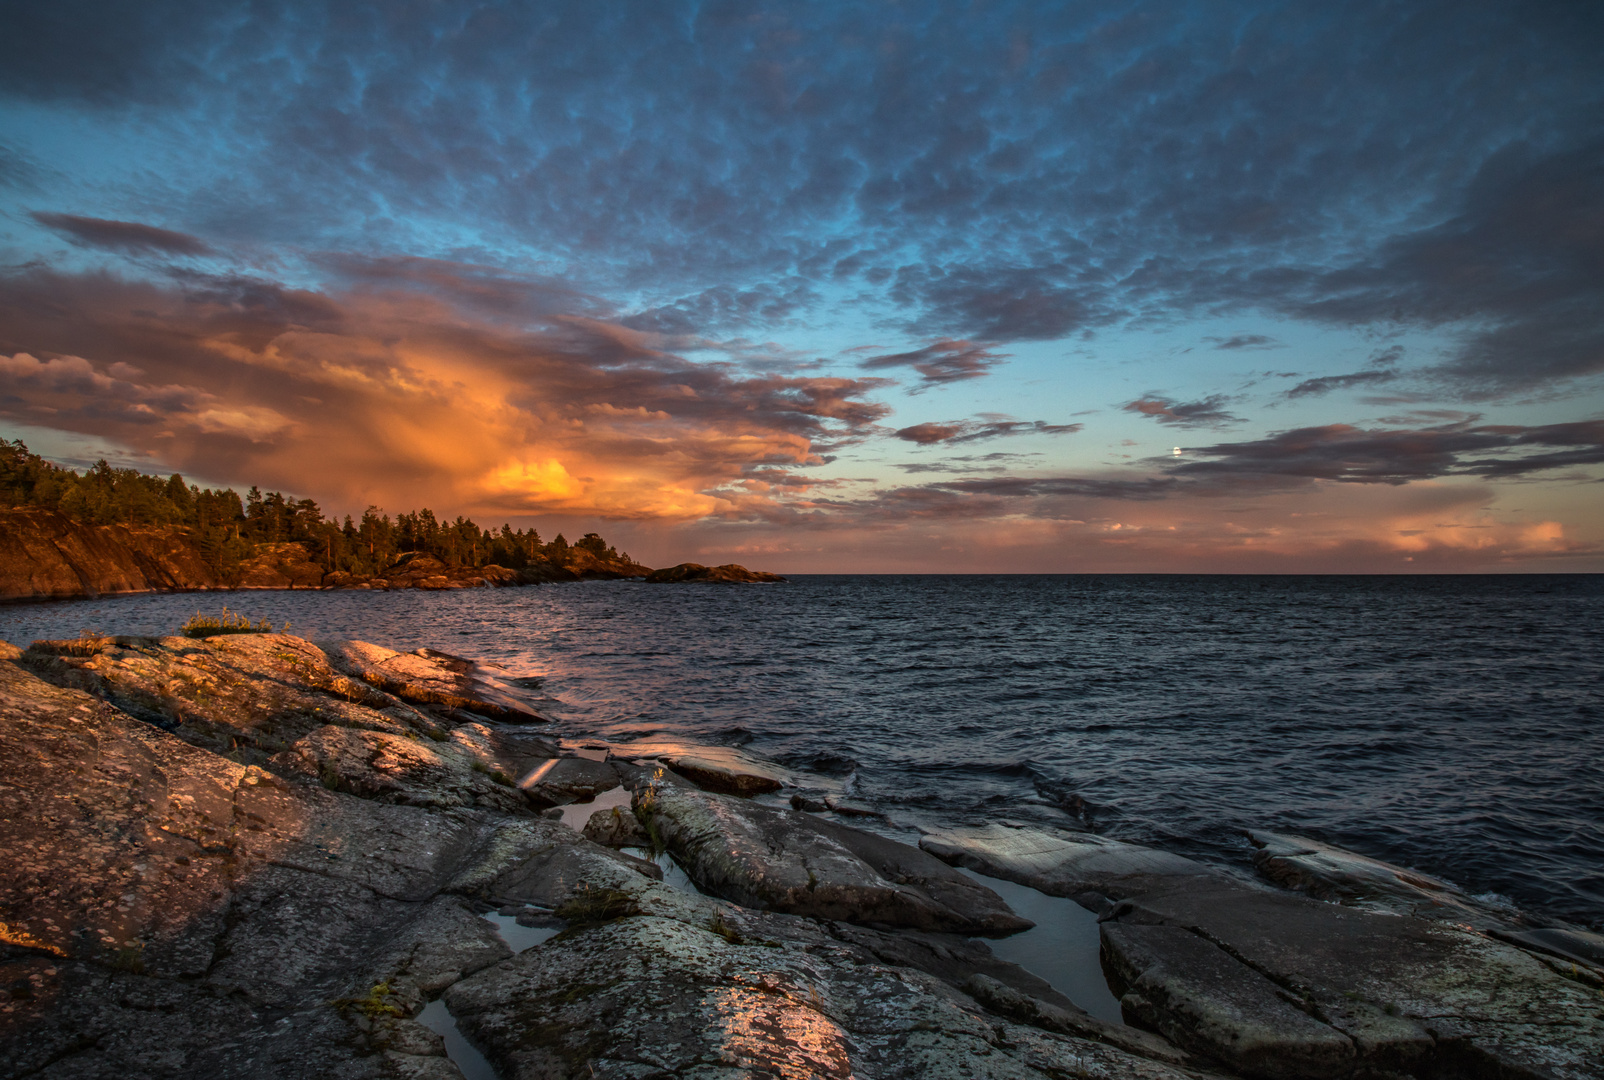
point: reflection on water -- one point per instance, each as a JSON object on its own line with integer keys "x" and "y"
{"x": 467, "y": 1057}
{"x": 1448, "y": 724}
{"x": 673, "y": 874}
{"x": 519, "y": 937}
{"x": 1061, "y": 949}
{"x": 576, "y": 814}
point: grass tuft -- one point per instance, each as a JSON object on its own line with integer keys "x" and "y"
{"x": 205, "y": 626}
{"x": 592, "y": 907}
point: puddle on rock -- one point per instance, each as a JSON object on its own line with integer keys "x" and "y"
{"x": 517, "y": 936}
{"x": 576, "y": 814}
{"x": 463, "y": 1053}
{"x": 673, "y": 875}
{"x": 1061, "y": 949}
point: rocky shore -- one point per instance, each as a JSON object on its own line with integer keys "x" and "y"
{"x": 45, "y": 555}
{"x": 260, "y": 856}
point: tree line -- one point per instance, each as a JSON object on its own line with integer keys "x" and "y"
{"x": 227, "y": 529}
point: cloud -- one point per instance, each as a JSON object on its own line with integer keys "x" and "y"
{"x": 965, "y": 431}
{"x": 126, "y": 236}
{"x": 1012, "y": 174}
{"x": 1246, "y": 341}
{"x": 1327, "y": 383}
{"x": 404, "y": 396}
{"x": 943, "y": 361}
{"x": 1515, "y": 270}
{"x": 969, "y": 463}
{"x": 1348, "y": 454}
{"x": 1205, "y": 413}
{"x": 724, "y": 307}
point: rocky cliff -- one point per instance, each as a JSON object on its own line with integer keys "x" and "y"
{"x": 47, "y": 556}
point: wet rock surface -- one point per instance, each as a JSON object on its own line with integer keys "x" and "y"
{"x": 724, "y": 769}
{"x": 785, "y": 860}
{"x": 1330, "y": 873}
{"x": 1276, "y": 984}
{"x": 1080, "y": 866}
{"x": 240, "y": 857}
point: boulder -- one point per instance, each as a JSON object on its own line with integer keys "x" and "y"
{"x": 249, "y": 695}
{"x": 431, "y": 677}
{"x": 1409, "y": 994}
{"x": 1582, "y": 950}
{"x": 561, "y": 781}
{"x": 1278, "y": 984}
{"x": 1199, "y": 997}
{"x": 1066, "y": 1019}
{"x": 391, "y": 768}
{"x": 783, "y": 860}
{"x": 616, "y": 827}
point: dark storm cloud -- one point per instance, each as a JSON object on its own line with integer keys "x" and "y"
{"x": 966, "y": 463}
{"x": 966, "y": 431}
{"x": 485, "y": 290}
{"x": 1209, "y": 412}
{"x": 1356, "y": 455}
{"x": 1327, "y": 383}
{"x": 1521, "y": 261}
{"x": 126, "y": 236}
{"x": 1059, "y": 486}
{"x": 943, "y": 361}
{"x": 1002, "y": 173}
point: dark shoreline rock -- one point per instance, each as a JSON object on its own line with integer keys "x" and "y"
{"x": 1278, "y": 984}
{"x": 730, "y": 573}
{"x": 234, "y": 858}
{"x": 785, "y": 860}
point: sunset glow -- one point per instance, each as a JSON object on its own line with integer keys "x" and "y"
{"x": 1267, "y": 288}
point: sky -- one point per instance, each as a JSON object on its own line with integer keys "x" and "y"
{"x": 866, "y": 287}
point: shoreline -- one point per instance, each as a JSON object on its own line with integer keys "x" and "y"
{"x": 239, "y": 783}
{"x": 46, "y": 556}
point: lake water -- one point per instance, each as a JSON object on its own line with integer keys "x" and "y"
{"x": 1450, "y": 724}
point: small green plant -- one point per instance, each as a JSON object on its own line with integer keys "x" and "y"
{"x": 501, "y": 778}
{"x": 478, "y": 766}
{"x": 725, "y": 930}
{"x": 375, "y": 1004}
{"x": 205, "y": 626}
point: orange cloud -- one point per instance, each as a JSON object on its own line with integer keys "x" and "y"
{"x": 403, "y": 398}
